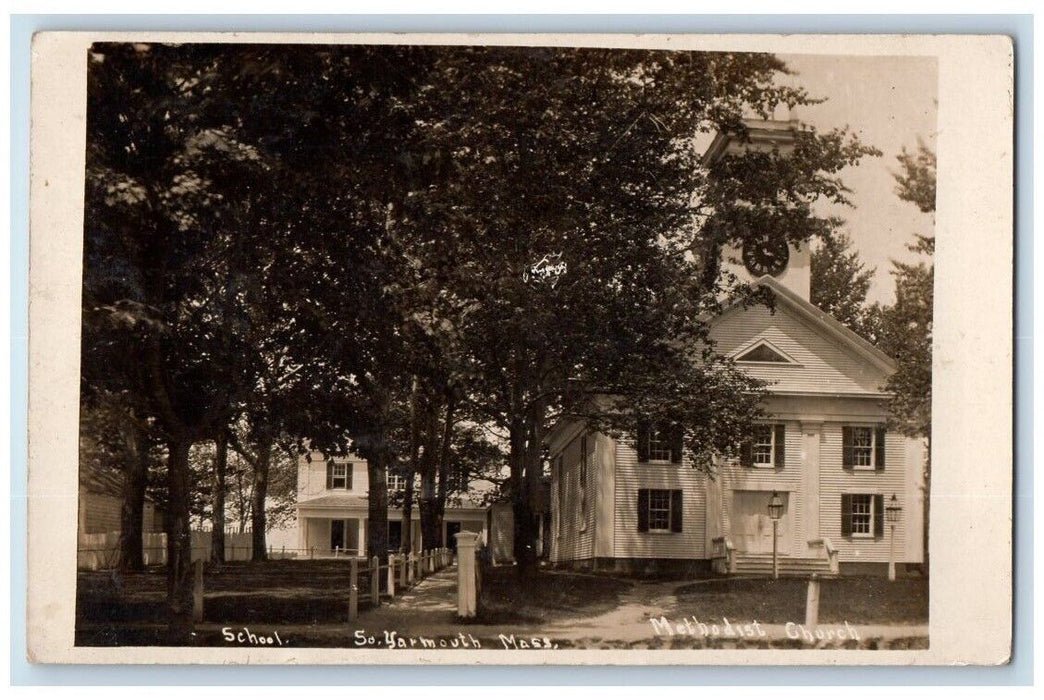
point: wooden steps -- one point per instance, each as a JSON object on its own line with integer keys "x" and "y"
{"x": 761, "y": 565}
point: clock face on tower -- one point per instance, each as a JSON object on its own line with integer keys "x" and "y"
{"x": 765, "y": 256}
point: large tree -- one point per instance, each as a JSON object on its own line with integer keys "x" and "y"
{"x": 586, "y": 158}
{"x": 906, "y": 325}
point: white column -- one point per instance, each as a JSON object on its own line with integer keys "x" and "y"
{"x": 811, "y": 436}
{"x": 302, "y": 535}
{"x": 467, "y": 598}
{"x": 362, "y": 536}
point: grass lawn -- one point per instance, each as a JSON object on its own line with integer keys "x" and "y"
{"x": 281, "y": 591}
{"x": 548, "y": 596}
{"x": 864, "y": 599}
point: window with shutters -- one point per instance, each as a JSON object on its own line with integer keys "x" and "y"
{"x": 766, "y": 448}
{"x": 659, "y": 510}
{"x": 659, "y": 444}
{"x": 863, "y": 447}
{"x": 862, "y": 515}
{"x": 763, "y": 445}
{"x": 338, "y": 475}
{"x": 659, "y": 441}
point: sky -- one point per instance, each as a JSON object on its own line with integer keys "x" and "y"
{"x": 889, "y": 102}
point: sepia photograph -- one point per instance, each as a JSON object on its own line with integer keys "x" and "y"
{"x": 448, "y": 347}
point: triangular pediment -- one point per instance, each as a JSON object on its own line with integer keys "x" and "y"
{"x": 762, "y": 351}
{"x": 796, "y": 348}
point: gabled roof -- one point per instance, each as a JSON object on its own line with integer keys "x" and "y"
{"x": 825, "y": 323}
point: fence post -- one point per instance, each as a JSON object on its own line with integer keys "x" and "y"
{"x": 467, "y": 594}
{"x": 353, "y": 591}
{"x": 391, "y": 575}
{"x": 197, "y": 591}
{"x": 408, "y": 566}
{"x": 375, "y": 581}
{"x": 403, "y": 558}
{"x": 812, "y": 604}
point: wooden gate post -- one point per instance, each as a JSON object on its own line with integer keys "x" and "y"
{"x": 812, "y": 604}
{"x": 391, "y": 575}
{"x": 375, "y": 581}
{"x": 404, "y": 565}
{"x": 467, "y": 593}
{"x": 197, "y": 591}
{"x": 353, "y": 591}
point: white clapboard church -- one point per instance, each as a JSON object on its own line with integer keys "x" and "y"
{"x": 843, "y": 481}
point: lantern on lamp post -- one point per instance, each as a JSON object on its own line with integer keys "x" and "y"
{"x": 775, "y": 509}
{"x": 892, "y": 512}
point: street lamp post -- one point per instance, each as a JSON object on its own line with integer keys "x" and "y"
{"x": 892, "y": 512}
{"x": 775, "y": 509}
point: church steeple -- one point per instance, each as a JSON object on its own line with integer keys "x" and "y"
{"x": 789, "y": 265}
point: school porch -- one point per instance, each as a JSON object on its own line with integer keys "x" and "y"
{"x": 338, "y": 529}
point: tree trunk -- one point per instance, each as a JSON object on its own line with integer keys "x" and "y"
{"x": 132, "y": 511}
{"x": 217, "y": 536}
{"x": 179, "y": 544}
{"x": 527, "y": 504}
{"x": 406, "y": 544}
{"x": 258, "y": 509}
{"x": 407, "y": 501}
{"x": 444, "y": 467}
{"x": 430, "y": 535}
{"x": 377, "y": 530}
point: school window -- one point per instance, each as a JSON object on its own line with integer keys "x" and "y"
{"x": 862, "y": 515}
{"x": 396, "y": 482}
{"x": 659, "y": 510}
{"x": 338, "y": 475}
{"x": 863, "y": 447}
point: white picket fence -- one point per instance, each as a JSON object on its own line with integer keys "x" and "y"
{"x": 101, "y": 551}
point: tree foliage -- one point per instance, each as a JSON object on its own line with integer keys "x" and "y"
{"x": 906, "y": 332}
{"x": 342, "y": 246}
{"x": 839, "y": 285}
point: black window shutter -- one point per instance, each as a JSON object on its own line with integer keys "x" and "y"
{"x": 643, "y": 441}
{"x": 676, "y": 510}
{"x": 747, "y": 453}
{"x": 846, "y": 515}
{"x": 879, "y": 450}
{"x": 329, "y": 473}
{"x": 847, "y": 454}
{"x": 349, "y": 471}
{"x": 643, "y": 510}
{"x": 781, "y": 445}
{"x": 677, "y": 443}
{"x": 878, "y": 515}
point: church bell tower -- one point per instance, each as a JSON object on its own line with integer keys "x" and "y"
{"x": 790, "y": 265}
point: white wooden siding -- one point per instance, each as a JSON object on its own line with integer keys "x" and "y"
{"x": 834, "y": 481}
{"x": 575, "y": 536}
{"x": 311, "y": 477}
{"x": 735, "y": 477}
{"x": 824, "y": 366}
{"x": 631, "y": 476}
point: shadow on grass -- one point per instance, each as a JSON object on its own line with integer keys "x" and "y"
{"x": 546, "y": 596}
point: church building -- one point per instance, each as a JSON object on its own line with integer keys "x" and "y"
{"x": 822, "y": 482}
